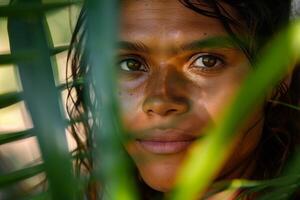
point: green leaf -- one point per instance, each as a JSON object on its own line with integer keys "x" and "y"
{"x": 281, "y": 184}
{"x": 13, "y": 58}
{"x": 11, "y": 137}
{"x": 32, "y": 8}
{"x": 28, "y": 55}
{"x": 9, "y": 99}
{"x": 291, "y": 183}
{"x": 41, "y": 196}
{"x": 113, "y": 169}
{"x": 11, "y": 178}
{"x": 212, "y": 150}
{"x": 59, "y": 49}
{"x": 30, "y": 33}
{"x": 286, "y": 104}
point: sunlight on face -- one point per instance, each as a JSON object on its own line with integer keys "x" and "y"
{"x": 170, "y": 89}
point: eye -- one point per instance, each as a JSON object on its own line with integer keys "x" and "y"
{"x": 207, "y": 62}
{"x": 132, "y": 64}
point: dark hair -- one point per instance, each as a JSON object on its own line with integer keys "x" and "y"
{"x": 260, "y": 20}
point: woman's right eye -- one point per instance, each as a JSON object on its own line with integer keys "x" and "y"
{"x": 131, "y": 64}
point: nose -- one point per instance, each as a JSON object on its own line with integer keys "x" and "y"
{"x": 166, "y": 93}
{"x": 163, "y": 106}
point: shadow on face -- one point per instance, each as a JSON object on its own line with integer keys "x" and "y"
{"x": 170, "y": 89}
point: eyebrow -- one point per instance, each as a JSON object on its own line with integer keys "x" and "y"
{"x": 133, "y": 46}
{"x": 211, "y": 42}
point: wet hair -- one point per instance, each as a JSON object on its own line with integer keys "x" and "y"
{"x": 257, "y": 21}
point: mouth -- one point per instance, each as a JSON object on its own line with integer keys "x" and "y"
{"x": 162, "y": 147}
{"x": 169, "y": 141}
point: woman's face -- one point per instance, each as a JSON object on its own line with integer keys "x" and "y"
{"x": 170, "y": 89}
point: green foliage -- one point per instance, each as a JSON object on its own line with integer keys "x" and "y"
{"x": 32, "y": 51}
{"x": 198, "y": 173}
{"x": 110, "y": 163}
{"x": 27, "y": 8}
{"x": 29, "y": 33}
{"x": 11, "y": 137}
{"x": 20, "y": 175}
{"x": 9, "y": 99}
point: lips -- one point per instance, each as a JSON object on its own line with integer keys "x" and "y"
{"x": 169, "y": 141}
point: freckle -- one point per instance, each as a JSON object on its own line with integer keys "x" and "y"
{"x": 130, "y": 94}
{"x": 204, "y": 33}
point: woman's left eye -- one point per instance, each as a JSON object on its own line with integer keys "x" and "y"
{"x": 207, "y": 62}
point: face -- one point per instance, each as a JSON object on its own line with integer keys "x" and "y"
{"x": 170, "y": 89}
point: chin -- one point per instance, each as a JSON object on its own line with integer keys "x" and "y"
{"x": 159, "y": 186}
{"x": 160, "y": 174}
{"x": 162, "y": 183}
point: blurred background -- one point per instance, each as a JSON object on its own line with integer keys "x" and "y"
{"x": 25, "y": 153}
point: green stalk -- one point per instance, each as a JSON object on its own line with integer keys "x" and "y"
{"x": 111, "y": 166}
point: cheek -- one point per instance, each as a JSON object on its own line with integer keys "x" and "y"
{"x": 130, "y": 91}
{"x": 242, "y": 157}
{"x": 129, "y": 104}
{"x": 130, "y": 101}
{"x": 216, "y": 93}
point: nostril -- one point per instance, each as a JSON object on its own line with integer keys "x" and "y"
{"x": 171, "y": 111}
{"x": 150, "y": 111}
{"x": 157, "y": 105}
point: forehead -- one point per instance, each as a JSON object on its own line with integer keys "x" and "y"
{"x": 165, "y": 19}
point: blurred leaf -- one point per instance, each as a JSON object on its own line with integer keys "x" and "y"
{"x": 232, "y": 185}
{"x": 282, "y": 193}
{"x": 9, "y": 99}
{"x": 41, "y": 97}
{"x": 209, "y": 153}
{"x": 32, "y": 8}
{"x": 11, "y": 137}
{"x": 13, "y": 58}
{"x": 111, "y": 164}
{"x": 7, "y": 179}
{"x": 42, "y": 196}
{"x": 28, "y": 55}
{"x": 253, "y": 186}
{"x": 286, "y": 188}
{"x": 59, "y": 49}
{"x": 292, "y": 167}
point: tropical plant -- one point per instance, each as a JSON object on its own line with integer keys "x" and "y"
{"x": 32, "y": 52}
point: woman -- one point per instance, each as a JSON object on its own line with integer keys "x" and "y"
{"x": 170, "y": 88}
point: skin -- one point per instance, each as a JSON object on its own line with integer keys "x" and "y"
{"x": 168, "y": 91}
